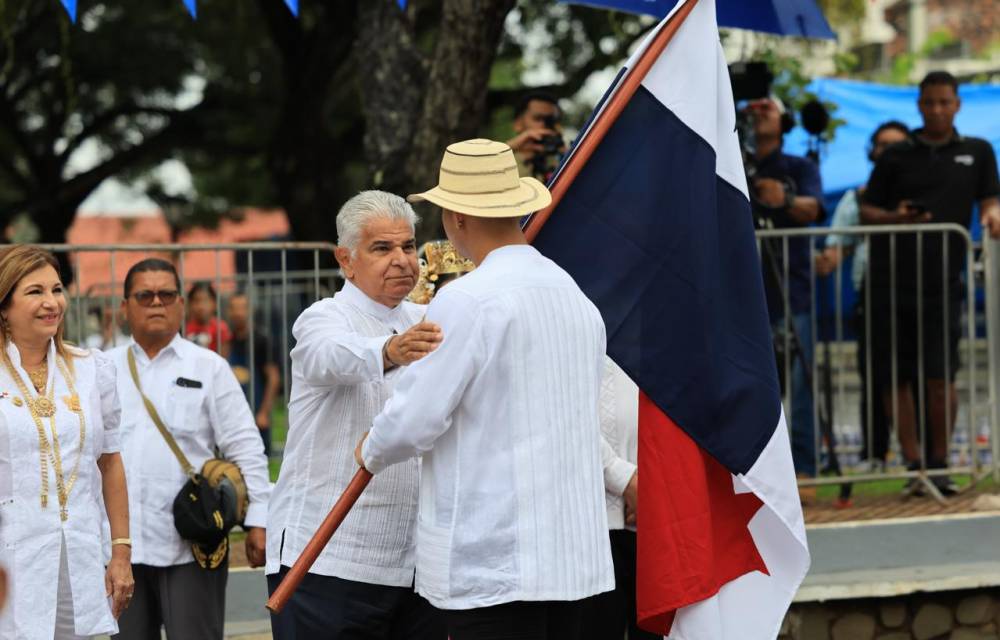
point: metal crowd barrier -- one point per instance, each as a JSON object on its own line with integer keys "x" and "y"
{"x": 838, "y": 385}
{"x": 280, "y": 279}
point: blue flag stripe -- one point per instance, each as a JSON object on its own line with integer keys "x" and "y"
{"x": 665, "y": 249}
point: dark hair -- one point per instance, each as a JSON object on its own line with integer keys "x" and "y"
{"x": 198, "y": 287}
{"x": 939, "y": 77}
{"x": 150, "y": 264}
{"x": 885, "y": 126}
{"x": 531, "y": 96}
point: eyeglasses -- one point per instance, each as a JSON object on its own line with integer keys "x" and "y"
{"x": 145, "y": 297}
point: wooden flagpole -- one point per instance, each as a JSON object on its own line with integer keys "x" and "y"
{"x": 613, "y": 109}
{"x": 291, "y": 581}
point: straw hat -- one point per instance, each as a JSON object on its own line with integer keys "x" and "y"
{"x": 479, "y": 178}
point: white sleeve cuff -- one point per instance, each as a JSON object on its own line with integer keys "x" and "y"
{"x": 372, "y": 461}
{"x": 256, "y": 515}
{"x": 617, "y": 476}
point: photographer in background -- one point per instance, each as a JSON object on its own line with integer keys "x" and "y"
{"x": 538, "y": 145}
{"x": 935, "y": 175}
{"x": 786, "y": 193}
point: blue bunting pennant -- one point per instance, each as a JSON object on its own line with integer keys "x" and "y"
{"x": 192, "y": 7}
{"x": 293, "y": 6}
{"x": 70, "y": 9}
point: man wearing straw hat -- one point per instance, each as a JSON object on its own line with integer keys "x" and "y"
{"x": 511, "y": 527}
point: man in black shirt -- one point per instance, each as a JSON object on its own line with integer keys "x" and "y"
{"x": 936, "y": 175}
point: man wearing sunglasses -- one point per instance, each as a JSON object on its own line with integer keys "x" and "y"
{"x": 201, "y": 404}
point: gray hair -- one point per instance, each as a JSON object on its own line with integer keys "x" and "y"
{"x": 365, "y": 207}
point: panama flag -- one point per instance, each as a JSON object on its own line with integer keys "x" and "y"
{"x": 651, "y": 217}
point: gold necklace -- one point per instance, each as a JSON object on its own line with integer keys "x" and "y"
{"x": 40, "y": 377}
{"x": 51, "y": 453}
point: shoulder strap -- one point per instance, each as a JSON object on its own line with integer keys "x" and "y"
{"x": 151, "y": 410}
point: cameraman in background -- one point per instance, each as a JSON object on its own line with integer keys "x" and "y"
{"x": 538, "y": 144}
{"x": 786, "y": 193}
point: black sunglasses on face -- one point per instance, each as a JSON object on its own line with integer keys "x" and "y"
{"x": 145, "y": 297}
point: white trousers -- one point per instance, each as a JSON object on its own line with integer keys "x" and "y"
{"x": 65, "y": 628}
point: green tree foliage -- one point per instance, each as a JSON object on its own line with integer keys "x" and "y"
{"x": 113, "y": 78}
{"x": 269, "y": 110}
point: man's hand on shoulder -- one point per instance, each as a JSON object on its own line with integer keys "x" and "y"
{"x": 412, "y": 345}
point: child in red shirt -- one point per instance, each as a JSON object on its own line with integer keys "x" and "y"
{"x": 203, "y": 327}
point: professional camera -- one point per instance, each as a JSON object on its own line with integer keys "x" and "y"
{"x": 750, "y": 81}
{"x": 546, "y": 160}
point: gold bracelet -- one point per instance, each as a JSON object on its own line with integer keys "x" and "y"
{"x": 125, "y": 541}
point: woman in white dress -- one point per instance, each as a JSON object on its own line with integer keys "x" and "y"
{"x": 59, "y": 417}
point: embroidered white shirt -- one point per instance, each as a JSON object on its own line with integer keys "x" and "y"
{"x": 201, "y": 419}
{"x": 620, "y": 432}
{"x": 338, "y": 386}
{"x": 505, "y": 414}
{"x": 31, "y": 537}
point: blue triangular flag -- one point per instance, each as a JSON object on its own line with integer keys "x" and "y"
{"x": 402, "y": 4}
{"x": 192, "y": 7}
{"x": 70, "y": 9}
{"x": 293, "y": 6}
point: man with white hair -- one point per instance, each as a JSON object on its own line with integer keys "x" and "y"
{"x": 512, "y": 533}
{"x": 349, "y": 352}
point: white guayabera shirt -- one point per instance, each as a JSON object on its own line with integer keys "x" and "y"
{"x": 338, "y": 387}
{"x": 505, "y": 414}
{"x": 31, "y": 538}
{"x": 214, "y": 415}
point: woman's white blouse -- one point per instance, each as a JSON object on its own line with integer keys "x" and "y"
{"x": 30, "y": 536}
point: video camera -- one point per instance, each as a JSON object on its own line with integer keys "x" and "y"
{"x": 752, "y": 81}
{"x": 546, "y": 160}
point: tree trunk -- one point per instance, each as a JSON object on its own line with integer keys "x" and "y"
{"x": 454, "y": 102}
{"x": 391, "y": 78}
{"x": 308, "y": 152}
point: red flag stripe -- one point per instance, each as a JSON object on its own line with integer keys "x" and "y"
{"x": 693, "y": 534}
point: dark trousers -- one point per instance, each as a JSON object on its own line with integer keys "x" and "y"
{"x": 518, "y": 621}
{"x": 328, "y": 608}
{"x": 609, "y": 615}
{"x": 877, "y": 432}
{"x": 186, "y": 600}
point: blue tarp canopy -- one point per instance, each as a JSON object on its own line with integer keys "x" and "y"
{"x": 844, "y": 163}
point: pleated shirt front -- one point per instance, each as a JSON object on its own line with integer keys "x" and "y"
{"x": 338, "y": 387}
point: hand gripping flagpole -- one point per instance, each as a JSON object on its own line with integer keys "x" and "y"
{"x": 602, "y": 123}
{"x": 291, "y": 581}
{"x": 615, "y": 106}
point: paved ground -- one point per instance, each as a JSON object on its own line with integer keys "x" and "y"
{"x": 892, "y": 505}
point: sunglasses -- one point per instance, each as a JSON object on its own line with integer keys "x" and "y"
{"x": 145, "y": 297}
